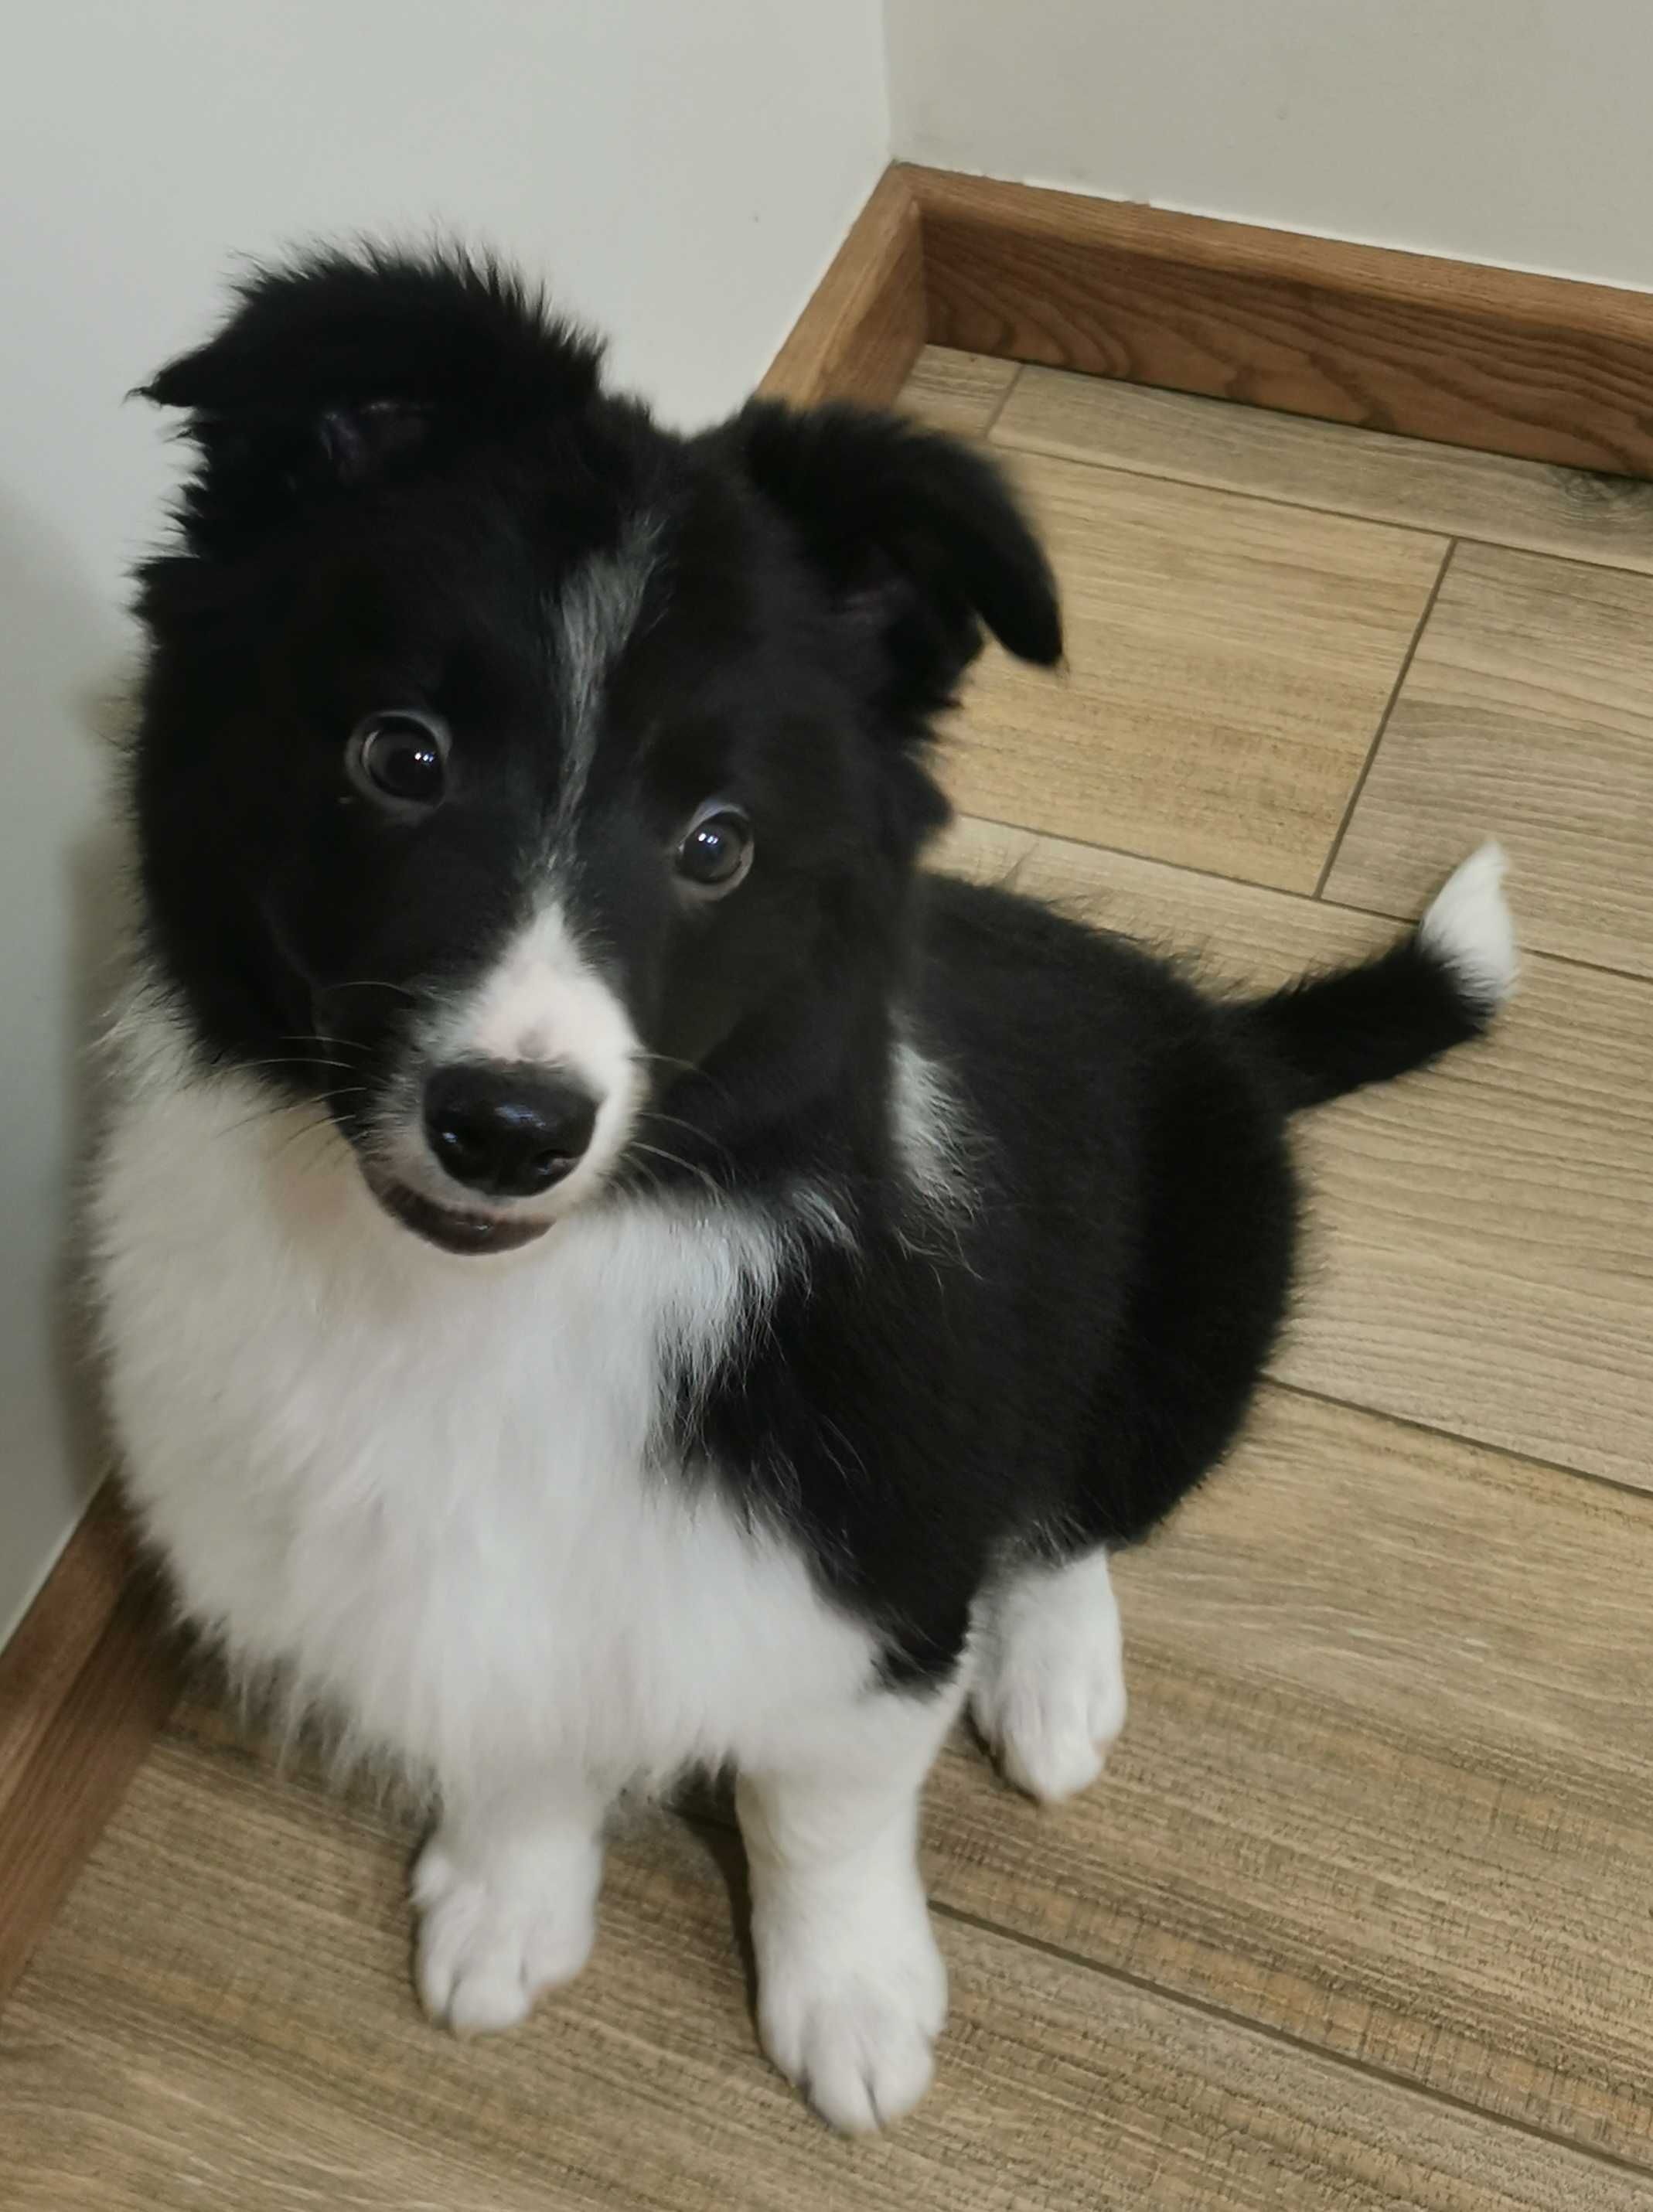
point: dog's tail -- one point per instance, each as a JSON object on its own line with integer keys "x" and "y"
{"x": 1438, "y": 988}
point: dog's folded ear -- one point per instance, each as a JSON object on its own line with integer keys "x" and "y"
{"x": 914, "y": 535}
{"x": 339, "y": 367}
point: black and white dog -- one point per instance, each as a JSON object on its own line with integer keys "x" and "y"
{"x": 607, "y": 1266}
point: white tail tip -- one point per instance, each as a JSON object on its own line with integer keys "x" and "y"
{"x": 1468, "y": 926}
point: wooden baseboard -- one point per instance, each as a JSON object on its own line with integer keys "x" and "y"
{"x": 861, "y": 332}
{"x": 84, "y": 1684}
{"x": 1534, "y": 366}
{"x": 1542, "y": 367}
{"x": 1538, "y": 367}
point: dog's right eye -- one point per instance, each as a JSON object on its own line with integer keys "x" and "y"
{"x": 716, "y": 850}
{"x": 399, "y": 759}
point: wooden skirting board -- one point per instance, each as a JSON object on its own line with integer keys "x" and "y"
{"x": 867, "y": 321}
{"x": 1537, "y": 366}
{"x": 1542, "y": 367}
{"x": 84, "y": 1684}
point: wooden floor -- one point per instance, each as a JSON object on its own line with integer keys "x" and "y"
{"x": 1362, "y": 1913}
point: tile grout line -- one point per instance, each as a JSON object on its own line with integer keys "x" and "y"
{"x": 1349, "y": 2061}
{"x": 1153, "y": 860}
{"x": 992, "y": 423}
{"x": 1140, "y": 470}
{"x": 1384, "y": 719}
{"x": 1618, "y": 1484}
{"x": 1278, "y": 890}
{"x": 1472, "y": 538}
{"x": 1527, "y": 952}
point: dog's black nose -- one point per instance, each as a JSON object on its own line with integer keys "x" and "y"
{"x": 510, "y": 1131}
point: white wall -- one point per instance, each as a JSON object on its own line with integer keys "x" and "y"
{"x": 684, "y": 169}
{"x": 1513, "y": 132}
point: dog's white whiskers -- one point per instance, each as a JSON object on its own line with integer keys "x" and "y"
{"x": 701, "y": 1174}
{"x": 374, "y": 983}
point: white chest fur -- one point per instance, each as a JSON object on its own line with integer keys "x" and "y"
{"x": 422, "y": 1484}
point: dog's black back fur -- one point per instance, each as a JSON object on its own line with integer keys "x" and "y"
{"x": 403, "y": 464}
{"x": 1066, "y": 1364}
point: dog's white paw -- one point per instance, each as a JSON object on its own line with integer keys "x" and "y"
{"x": 488, "y": 1947}
{"x": 1049, "y": 1695}
{"x": 850, "y": 2013}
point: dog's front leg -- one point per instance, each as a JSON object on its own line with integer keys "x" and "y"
{"x": 506, "y": 1891}
{"x": 852, "y": 1991}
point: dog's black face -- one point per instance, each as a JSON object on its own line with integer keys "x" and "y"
{"x": 537, "y": 788}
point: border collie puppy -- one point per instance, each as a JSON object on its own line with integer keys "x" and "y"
{"x": 607, "y": 1266}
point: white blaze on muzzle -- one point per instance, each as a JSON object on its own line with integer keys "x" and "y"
{"x": 545, "y": 1006}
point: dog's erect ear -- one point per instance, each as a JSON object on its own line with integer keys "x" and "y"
{"x": 913, "y": 534}
{"x": 339, "y": 367}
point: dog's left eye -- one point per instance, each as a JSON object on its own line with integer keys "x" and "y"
{"x": 716, "y": 850}
{"x": 399, "y": 756}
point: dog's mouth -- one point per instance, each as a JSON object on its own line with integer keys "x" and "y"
{"x": 450, "y": 1229}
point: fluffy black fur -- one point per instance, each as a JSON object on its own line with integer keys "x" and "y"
{"x": 402, "y": 464}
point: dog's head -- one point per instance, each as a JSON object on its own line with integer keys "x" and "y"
{"x": 523, "y": 781}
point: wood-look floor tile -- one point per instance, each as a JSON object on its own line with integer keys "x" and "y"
{"x": 222, "y": 2018}
{"x": 1527, "y": 713}
{"x": 1326, "y": 465}
{"x": 1228, "y": 666}
{"x": 957, "y": 392}
{"x": 1383, "y": 1784}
